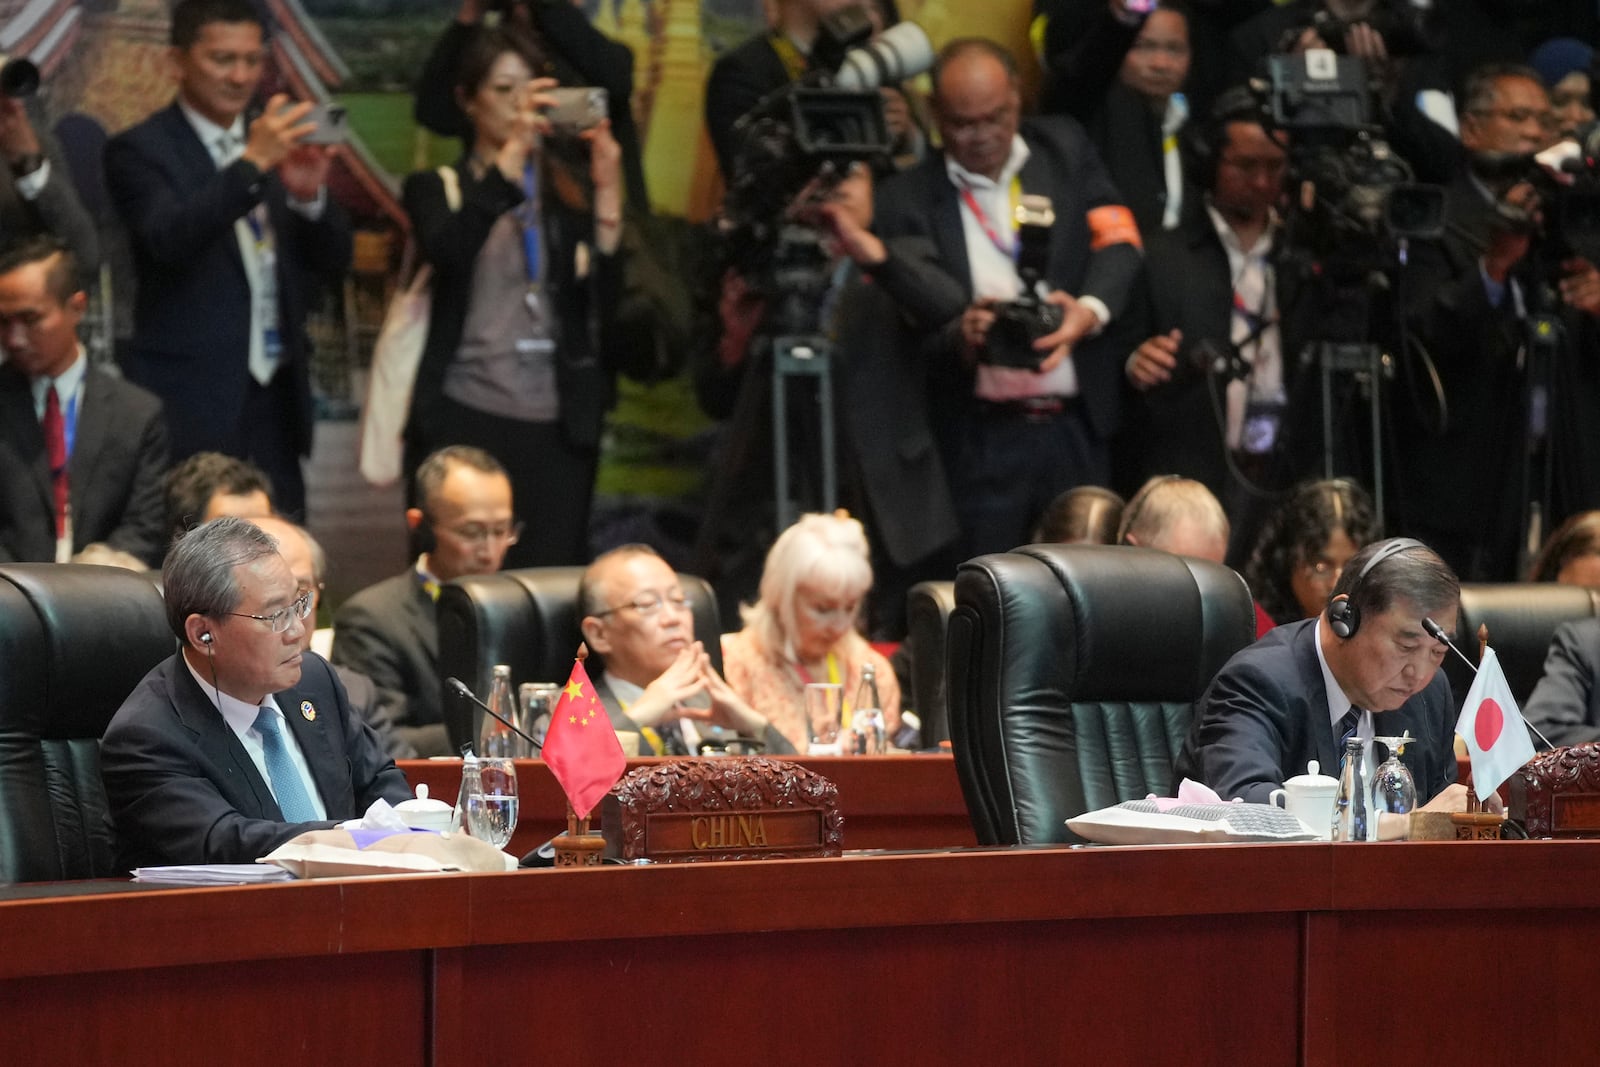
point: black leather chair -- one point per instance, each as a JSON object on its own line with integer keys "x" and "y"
{"x": 1072, "y": 674}
{"x": 528, "y": 619}
{"x": 74, "y": 641}
{"x": 928, "y": 608}
{"x": 1522, "y": 617}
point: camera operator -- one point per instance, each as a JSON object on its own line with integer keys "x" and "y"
{"x": 745, "y": 75}
{"x": 1469, "y": 297}
{"x": 1216, "y": 290}
{"x": 576, "y": 54}
{"x": 37, "y": 196}
{"x": 1042, "y": 402}
{"x": 1123, "y": 80}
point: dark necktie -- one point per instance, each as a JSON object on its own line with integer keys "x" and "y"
{"x": 55, "y": 445}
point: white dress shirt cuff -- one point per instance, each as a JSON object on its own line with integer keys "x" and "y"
{"x": 29, "y": 186}
{"x": 313, "y": 208}
{"x": 1102, "y": 314}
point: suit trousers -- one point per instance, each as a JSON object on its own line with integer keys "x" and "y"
{"x": 269, "y": 441}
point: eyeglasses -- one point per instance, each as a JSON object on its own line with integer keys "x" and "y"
{"x": 279, "y": 620}
{"x": 477, "y": 533}
{"x": 647, "y": 604}
{"x": 1519, "y": 115}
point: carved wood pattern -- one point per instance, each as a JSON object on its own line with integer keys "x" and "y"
{"x": 1569, "y": 773}
{"x": 726, "y": 785}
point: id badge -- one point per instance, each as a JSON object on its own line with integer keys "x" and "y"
{"x": 1261, "y": 422}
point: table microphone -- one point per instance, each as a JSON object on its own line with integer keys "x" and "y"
{"x": 1437, "y": 633}
{"x": 461, "y": 690}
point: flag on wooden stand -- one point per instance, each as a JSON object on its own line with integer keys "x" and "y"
{"x": 581, "y": 748}
{"x": 1493, "y": 729}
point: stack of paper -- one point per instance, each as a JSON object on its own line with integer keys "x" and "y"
{"x": 213, "y": 874}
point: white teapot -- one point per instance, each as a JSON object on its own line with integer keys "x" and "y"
{"x": 424, "y": 813}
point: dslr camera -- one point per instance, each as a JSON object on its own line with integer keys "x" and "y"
{"x": 1406, "y": 26}
{"x": 1019, "y": 323}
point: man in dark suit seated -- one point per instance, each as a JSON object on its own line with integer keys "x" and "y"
{"x": 390, "y": 631}
{"x": 1565, "y": 705}
{"x": 1365, "y": 667}
{"x": 241, "y": 740}
{"x": 1025, "y": 433}
{"x": 82, "y": 453}
{"x": 232, "y": 226}
{"x": 636, "y": 616}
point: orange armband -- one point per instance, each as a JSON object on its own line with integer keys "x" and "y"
{"x": 1112, "y": 224}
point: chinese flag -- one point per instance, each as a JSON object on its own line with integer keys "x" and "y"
{"x": 580, "y": 746}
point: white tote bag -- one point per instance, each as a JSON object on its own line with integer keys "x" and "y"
{"x": 395, "y": 357}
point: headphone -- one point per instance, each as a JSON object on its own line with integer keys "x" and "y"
{"x": 205, "y": 639}
{"x": 1200, "y": 143}
{"x": 1344, "y": 618}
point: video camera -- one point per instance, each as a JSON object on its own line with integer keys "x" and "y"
{"x": 1353, "y": 186}
{"x": 1408, "y": 28}
{"x": 19, "y": 77}
{"x": 816, "y": 128}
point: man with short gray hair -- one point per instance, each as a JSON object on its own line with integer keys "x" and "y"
{"x": 241, "y": 740}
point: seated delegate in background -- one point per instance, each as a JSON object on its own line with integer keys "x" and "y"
{"x": 1572, "y": 553}
{"x": 1300, "y": 691}
{"x": 1565, "y": 705}
{"x": 241, "y": 740}
{"x": 656, "y": 680}
{"x": 1177, "y": 515}
{"x": 803, "y": 627}
{"x": 525, "y": 287}
{"x": 209, "y": 485}
{"x": 1563, "y": 64}
{"x": 1086, "y": 515}
{"x": 1305, "y": 545}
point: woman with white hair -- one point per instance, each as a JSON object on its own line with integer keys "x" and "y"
{"x": 802, "y": 628}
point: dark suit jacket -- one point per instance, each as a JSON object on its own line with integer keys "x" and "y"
{"x": 1265, "y": 715}
{"x": 182, "y": 788}
{"x": 922, "y": 202}
{"x": 390, "y": 633}
{"x": 56, "y": 210}
{"x": 119, "y": 458}
{"x": 1173, "y": 428}
{"x": 191, "y": 343}
{"x": 740, "y": 79}
{"x": 1565, "y": 705}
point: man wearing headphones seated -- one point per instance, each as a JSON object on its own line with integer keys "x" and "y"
{"x": 242, "y": 740}
{"x": 1366, "y": 666}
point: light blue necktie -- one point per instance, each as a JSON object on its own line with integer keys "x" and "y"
{"x": 286, "y": 784}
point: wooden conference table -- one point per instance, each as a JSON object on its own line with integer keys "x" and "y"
{"x": 886, "y": 801}
{"x": 1245, "y": 954}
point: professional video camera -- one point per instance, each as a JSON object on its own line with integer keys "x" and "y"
{"x": 1019, "y": 323}
{"x": 816, "y": 128}
{"x": 19, "y": 77}
{"x": 1351, "y": 187}
{"x": 1408, "y": 28}
{"x": 1566, "y": 177}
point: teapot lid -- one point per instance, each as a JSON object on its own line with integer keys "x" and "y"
{"x": 1312, "y": 777}
{"x": 422, "y": 802}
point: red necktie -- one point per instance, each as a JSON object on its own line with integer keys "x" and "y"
{"x": 55, "y": 443}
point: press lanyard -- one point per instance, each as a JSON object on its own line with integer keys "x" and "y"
{"x": 833, "y": 670}
{"x": 529, "y": 219}
{"x": 794, "y": 63}
{"x": 1007, "y": 249}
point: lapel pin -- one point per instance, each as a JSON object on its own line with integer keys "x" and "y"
{"x": 308, "y": 710}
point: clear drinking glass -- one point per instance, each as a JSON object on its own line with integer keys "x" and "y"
{"x": 1393, "y": 789}
{"x": 492, "y": 808}
{"x": 824, "y": 712}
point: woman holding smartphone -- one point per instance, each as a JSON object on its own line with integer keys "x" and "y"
{"x": 526, "y": 276}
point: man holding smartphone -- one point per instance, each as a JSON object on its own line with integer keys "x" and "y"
{"x": 231, "y": 224}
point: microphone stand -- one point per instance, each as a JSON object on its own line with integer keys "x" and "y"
{"x": 460, "y": 689}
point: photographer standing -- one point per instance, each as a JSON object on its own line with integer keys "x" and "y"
{"x": 36, "y": 193}
{"x": 1470, "y": 298}
{"x": 1040, "y": 411}
{"x": 525, "y": 283}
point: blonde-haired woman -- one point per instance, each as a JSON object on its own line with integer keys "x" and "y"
{"x": 802, "y": 628}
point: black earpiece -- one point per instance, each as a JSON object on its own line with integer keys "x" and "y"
{"x": 1344, "y": 618}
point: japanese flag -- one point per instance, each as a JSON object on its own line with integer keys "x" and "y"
{"x": 1492, "y": 727}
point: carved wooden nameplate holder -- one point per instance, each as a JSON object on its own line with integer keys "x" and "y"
{"x": 727, "y": 808}
{"x": 1557, "y": 794}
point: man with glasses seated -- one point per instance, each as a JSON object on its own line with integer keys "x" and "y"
{"x": 658, "y": 680}
{"x": 389, "y": 631}
{"x": 242, "y": 739}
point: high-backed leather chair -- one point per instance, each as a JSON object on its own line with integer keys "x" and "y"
{"x": 928, "y": 608}
{"x": 1072, "y": 674}
{"x": 1522, "y": 618}
{"x": 528, "y": 619}
{"x": 74, "y": 641}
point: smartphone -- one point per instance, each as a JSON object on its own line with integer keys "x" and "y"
{"x": 1139, "y": 7}
{"x": 576, "y": 109}
{"x": 333, "y": 125}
